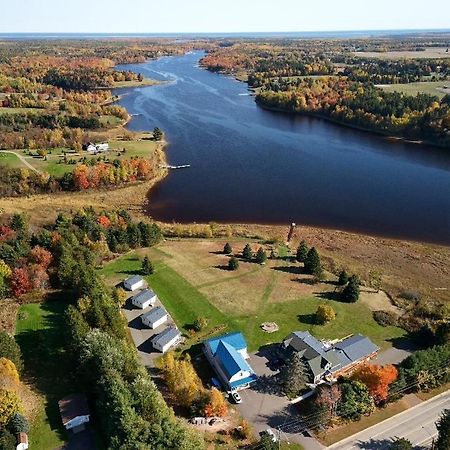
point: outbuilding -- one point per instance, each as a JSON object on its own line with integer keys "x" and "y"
{"x": 168, "y": 338}
{"x": 74, "y": 412}
{"x": 133, "y": 283}
{"x": 144, "y": 299}
{"x": 22, "y": 441}
{"x": 155, "y": 317}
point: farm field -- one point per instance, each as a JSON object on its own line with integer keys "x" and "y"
{"x": 431, "y": 52}
{"x": 437, "y": 88}
{"x": 192, "y": 281}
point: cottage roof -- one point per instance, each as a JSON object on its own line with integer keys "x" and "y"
{"x": 134, "y": 279}
{"x": 72, "y": 406}
{"x": 155, "y": 314}
{"x": 236, "y": 340}
{"x": 144, "y": 295}
{"x": 355, "y": 347}
{"x": 166, "y": 336}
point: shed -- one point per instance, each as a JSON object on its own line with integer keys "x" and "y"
{"x": 74, "y": 412}
{"x": 144, "y": 299}
{"x": 133, "y": 283}
{"x": 166, "y": 339}
{"x": 22, "y": 441}
{"x": 154, "y": 318}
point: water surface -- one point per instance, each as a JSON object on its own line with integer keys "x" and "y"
{"x": 255, "y": 166}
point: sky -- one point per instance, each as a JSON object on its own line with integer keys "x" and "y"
{"x": 191, "y": 16}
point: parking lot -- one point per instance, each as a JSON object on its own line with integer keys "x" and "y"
{"x": 142, "y": 334}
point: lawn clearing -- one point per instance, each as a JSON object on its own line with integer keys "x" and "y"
{"x": 191, "y": 281}
{"x": 437, "y": 88}
{"x": 39, "y": 332}
{"x": 10, "y": 160}
{"x": 430, "y": 52}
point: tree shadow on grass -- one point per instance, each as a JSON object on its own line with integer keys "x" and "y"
{"x": 309, "y": 319}
{"x": 223, "y": 267}
{"x": 289, "y": 269}
{"x": 330, "y": 295}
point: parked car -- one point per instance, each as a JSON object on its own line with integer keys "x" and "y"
{"x": 236, "y": 397}
{"x": 269, "y": 432}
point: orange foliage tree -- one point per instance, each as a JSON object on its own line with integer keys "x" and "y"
{"x": 377, "y": 379}
{"x": 216, "y": 406}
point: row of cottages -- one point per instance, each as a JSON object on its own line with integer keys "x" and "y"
{"x": 154, "y": 318}
{"x": 228, "y": 356}
{"x": 327, "y": 362}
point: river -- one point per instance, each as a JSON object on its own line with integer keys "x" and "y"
{"x": 249, "y": 165}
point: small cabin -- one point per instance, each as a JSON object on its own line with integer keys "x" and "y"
{"x": 144, "y": 299}
{"x": 97, "y": 148}
{"x": 154, "y": 318}
{"x": 167, "y": 339}
{"x": 74, "y": 412}
{"x": 133, "y": 283}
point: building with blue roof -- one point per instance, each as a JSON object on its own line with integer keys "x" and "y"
{"x": 228, "y": 356}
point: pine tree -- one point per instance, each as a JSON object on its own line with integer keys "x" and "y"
{"x": 247, "y": 252}
{"x": 443, "y": 426}
{"x": 227, "y": 250}
{"x": 302, "y": 252}
{"x": 312, "y": 262}
{"x": 350, "y": 294}
{"x": 233, "y": 263}
{"x": 157, "y": 134}
{"x": 401, "y": 444}
{"x": 261, "y": 256}
{"x": 147, "y": 266}
{"x": 343, "y": 278}
{"x": 294, "y": 375}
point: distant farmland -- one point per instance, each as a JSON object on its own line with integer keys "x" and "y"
{"x": 438, "y": 88}
{"x": 432, "y": 52}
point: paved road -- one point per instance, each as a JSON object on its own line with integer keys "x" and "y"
{"x": 416, "y": 424}
{"x": 21, "y": 159}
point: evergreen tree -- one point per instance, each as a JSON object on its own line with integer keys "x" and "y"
{"x": 312, "y": 262}
{"x": 350, "y": 294}
{"x": 247, "y": 252}
{"x": 302, "y": 252}
{"x": 227, "y": 250}
{"x": 401, "y": 444}
{"x": 147, "y": 266}
{"x": 443, "y": 426}
{"x": 10, "y": 349}
{"x": 343, "y": 278}
{"x": 233, "y": 263}
{"x": 261, "y": 256}
{"x": 157, "y": 134}
{"x": 19, "y": 424}
{"x": 294, "y": 375}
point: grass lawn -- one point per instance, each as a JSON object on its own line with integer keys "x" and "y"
{"x": 191, "y": 281}
{"x": 21, "y": 110}
{"x": 10, "y": 160}
{"x": 427, "y": 87}
{"x": 39, "y": 332}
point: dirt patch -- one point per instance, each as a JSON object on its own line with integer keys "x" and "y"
{"x": 378, "y": 301}
{"x": 8, "y": 315}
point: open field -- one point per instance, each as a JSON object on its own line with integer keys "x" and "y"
{"x": 191, "y": 281}
{"x": 431, "y": 52}
{"x": 4, "y": 110}
{"x": 135, "y": 83}
{"x": 10, "y": 160}
{"x": 39, "y": 332}
{"x": 438, "y": 88}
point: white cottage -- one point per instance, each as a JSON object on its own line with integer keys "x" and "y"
{"x": 144, "y": 299}
{"x": 154, "y": 318}
{"x": 74, "y": 412}
{"x": 168, "y": 338}
{"x": 133, "y": 283}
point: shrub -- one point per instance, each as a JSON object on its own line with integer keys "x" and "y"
{"x": 19, "y": 424}
{"x": 325, "y": 314}
{"x": 343, "y": 278}
{"x": 261, "y": 256}
{"x": 411, "y": 296}
{"x": 200, "y": 323}
{"x": 233, "y": 263}
{"x": 9, "y": 349}
{"x": 385, "y": 318}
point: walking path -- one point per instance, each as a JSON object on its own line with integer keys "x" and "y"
{"x": 22, "y": 159}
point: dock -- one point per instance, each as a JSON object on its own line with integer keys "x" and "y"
{"x": 184, "y": 166}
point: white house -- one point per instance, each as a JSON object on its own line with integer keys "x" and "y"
{"x": 168, "y": 338}
{"x": 22, "y": 441}
{"x": 97, "y": 148}
{"x": 154, "y": 318}
{"x": 133, "y": 283}
{"x": 144, "y": 299}
{"x": 74, "y": 412}
{"x": 227, "y": 355}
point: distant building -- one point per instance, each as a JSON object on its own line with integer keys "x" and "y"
{"x": 154, "y": 318}
{"x": 144, "y": 299}
{"x": 227, "y": 355}
{"x": 327, "y": 362}
{"x": 22, "y": 441}
{"x": 166, "y": 339}
{"x": 133, "y": 283}
{"x": 74, "y": 412}
{"x": 96, "y": 148}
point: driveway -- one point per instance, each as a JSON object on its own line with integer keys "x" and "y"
{"x": 84, "y": 440}
{"x": 264, "y": 407}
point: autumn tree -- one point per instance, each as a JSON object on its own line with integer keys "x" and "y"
{"x": 325, "y": 314}
{"x": 9, "y": 405}
{"x": 377, "y": 379}
{"x": 119, "y": 296}
{"x": 20, "y": 282}
{"x": 9, "y": 377}
{"x": 41, "y": 256}
{"x": 216, "y": 406}
{"x": 200, "y": 323}
{"x": 302, "y": 252}
{"x": 247, "y": 253}
{"x": 327, "y": 399}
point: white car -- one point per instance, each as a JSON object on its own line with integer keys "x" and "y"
{"x": 269, "y": 432}
{"x": 236, "y": 397}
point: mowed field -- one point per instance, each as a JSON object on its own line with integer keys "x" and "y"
{"x": 431, "y": 52}
{"x": 192, "y": 281}
{"x": 437, "y": 88}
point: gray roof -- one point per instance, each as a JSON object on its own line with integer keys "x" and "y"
{"x": 134, "y": 279}
{"x": 144, "y": 295}
{"x": 355, "y": 347}
{"x": 155, "y": 314}
{"x": 305, "y": 342}
{"x": 166, "y": 336}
